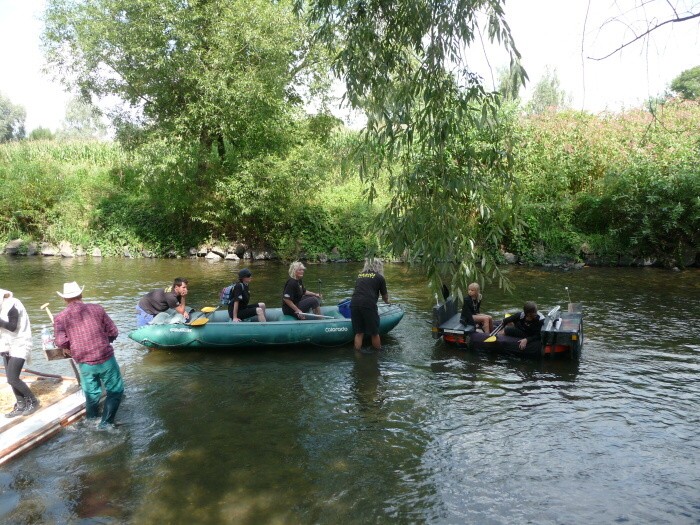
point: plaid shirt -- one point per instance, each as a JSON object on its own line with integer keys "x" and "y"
{"x": 86, "y": 331}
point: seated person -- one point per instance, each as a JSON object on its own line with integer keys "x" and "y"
{"x": 159, "y": 300}
{"x": 296, "y": 300}
{"x": 470, "y": 310}
{"x": 238, "y": 308}
{"x": 527, "y": 325}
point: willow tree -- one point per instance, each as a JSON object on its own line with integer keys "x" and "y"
{"x": 430, "y": 122}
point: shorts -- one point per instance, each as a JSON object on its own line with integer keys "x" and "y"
{"x": 308, "y": 303}
{"x": 244, "y": 313}
{"x": 364, "y": 320}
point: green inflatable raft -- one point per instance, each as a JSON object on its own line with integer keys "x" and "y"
{"x": 215, "y": 330}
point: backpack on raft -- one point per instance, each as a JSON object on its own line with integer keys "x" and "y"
{"x": 225, "y": 295}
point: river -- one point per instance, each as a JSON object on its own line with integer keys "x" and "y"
{"x": 420, "y": 433}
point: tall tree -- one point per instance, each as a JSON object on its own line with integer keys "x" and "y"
{"x": 430, "y": 122}
{"x": 547, "y": 95}
{"x": 218, "y": 74}
{"x": 12, "y": 118}
{"x": 687, "y": 84}
{"x": 83, "y": 121}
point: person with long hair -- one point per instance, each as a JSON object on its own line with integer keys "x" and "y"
{"x": 470, "y": 310}
{"x": 369, "y": 285}
{"x": 296, "y": 299}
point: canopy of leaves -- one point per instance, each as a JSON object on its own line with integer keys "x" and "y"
{"x": 83, "y": 121}
{"x": 406, "y": 64}
{"x": 687, "y": 84}
{"x": 11, "y": 120}
{"x": 547, "y": 95}
{"x": 210, "y": 72}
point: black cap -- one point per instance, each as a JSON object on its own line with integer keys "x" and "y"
{"x": 245, "y": 272}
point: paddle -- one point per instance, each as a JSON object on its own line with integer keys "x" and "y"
{"x": 204, "y": 320}
{"x": 320, "y": 301}
{"x": 209, "y": 309}
{"x": 492, "y": 336}
{"x": 319, "y": 316}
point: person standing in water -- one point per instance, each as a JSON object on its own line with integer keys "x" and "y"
{"x": 369, "y": 285}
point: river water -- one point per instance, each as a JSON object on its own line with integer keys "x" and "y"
{"x": 420, "y": 433}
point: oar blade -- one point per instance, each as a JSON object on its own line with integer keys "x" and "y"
{"x": 200, "y": 322}
{"x": 209, "y": 309}
{"x": 491, "y": 339}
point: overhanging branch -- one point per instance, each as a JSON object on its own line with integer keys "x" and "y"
{"x": 647, "y": 32}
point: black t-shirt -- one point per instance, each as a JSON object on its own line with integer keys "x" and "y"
{"x": 241, "y": 293}
{"x": 368, "y": 287}
{"x": 158, "y": 301}
{"x": 294, "y": 290}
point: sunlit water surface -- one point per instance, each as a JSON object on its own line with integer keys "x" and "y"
{"x": 421, "y": 433}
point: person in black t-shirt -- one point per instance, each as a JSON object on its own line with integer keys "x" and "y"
{"x": 526, "y": 324}
{"x": 364, "y": 313}
{"x": 296, "y": 299}
{"x": 239, "y": 298}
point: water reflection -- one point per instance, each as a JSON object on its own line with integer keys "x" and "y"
{"x": 367, "y": 381}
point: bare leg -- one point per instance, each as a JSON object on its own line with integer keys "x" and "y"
{"x": 261, "y": 312}
{"x": 358, "y": 341}
{"x": 376, "y": 342}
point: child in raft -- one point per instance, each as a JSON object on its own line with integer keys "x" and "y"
{"x": 470, "y": 310}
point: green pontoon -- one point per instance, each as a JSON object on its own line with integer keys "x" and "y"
{"x": 215, "y": 330}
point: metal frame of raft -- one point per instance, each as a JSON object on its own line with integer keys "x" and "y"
{"x": 561, "y": 335}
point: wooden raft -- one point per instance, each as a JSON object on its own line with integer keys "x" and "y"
{"x": 20, "y": 434}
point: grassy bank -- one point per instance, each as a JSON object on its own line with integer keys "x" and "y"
{"x": 602, "y": 189}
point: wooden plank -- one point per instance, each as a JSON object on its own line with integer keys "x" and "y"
{"x": 41, "y": 425}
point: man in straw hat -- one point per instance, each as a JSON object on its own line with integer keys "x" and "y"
{"x": 86, "y": 332}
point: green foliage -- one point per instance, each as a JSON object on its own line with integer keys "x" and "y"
{"x": 611, "y": 185}
{"x": 11, "y": 120}
{"x": 50, "y": 188}
{"x": 404, "y": 65}
{"x": 220, "y": 74}
{"x": 83, "y": 121}
{"x": 41, "y": 134}
{"x": 646, "y": 214}
{"x": 687, "y": 84}
{"x": 547, "y": 95}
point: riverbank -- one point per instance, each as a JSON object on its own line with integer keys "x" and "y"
{"x": 240, "y": 252}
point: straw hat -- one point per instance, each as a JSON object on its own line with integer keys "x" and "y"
{"x": 71, "y": 290}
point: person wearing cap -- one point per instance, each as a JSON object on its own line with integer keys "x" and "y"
{"x": 15, "y": 347}
{"x": 86, "y": 332}
{"x": 159, "y": 300}
{"x": 369, "y": 285}
{"x": 296, "y": 299}
{"x": 239, "y": 298}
